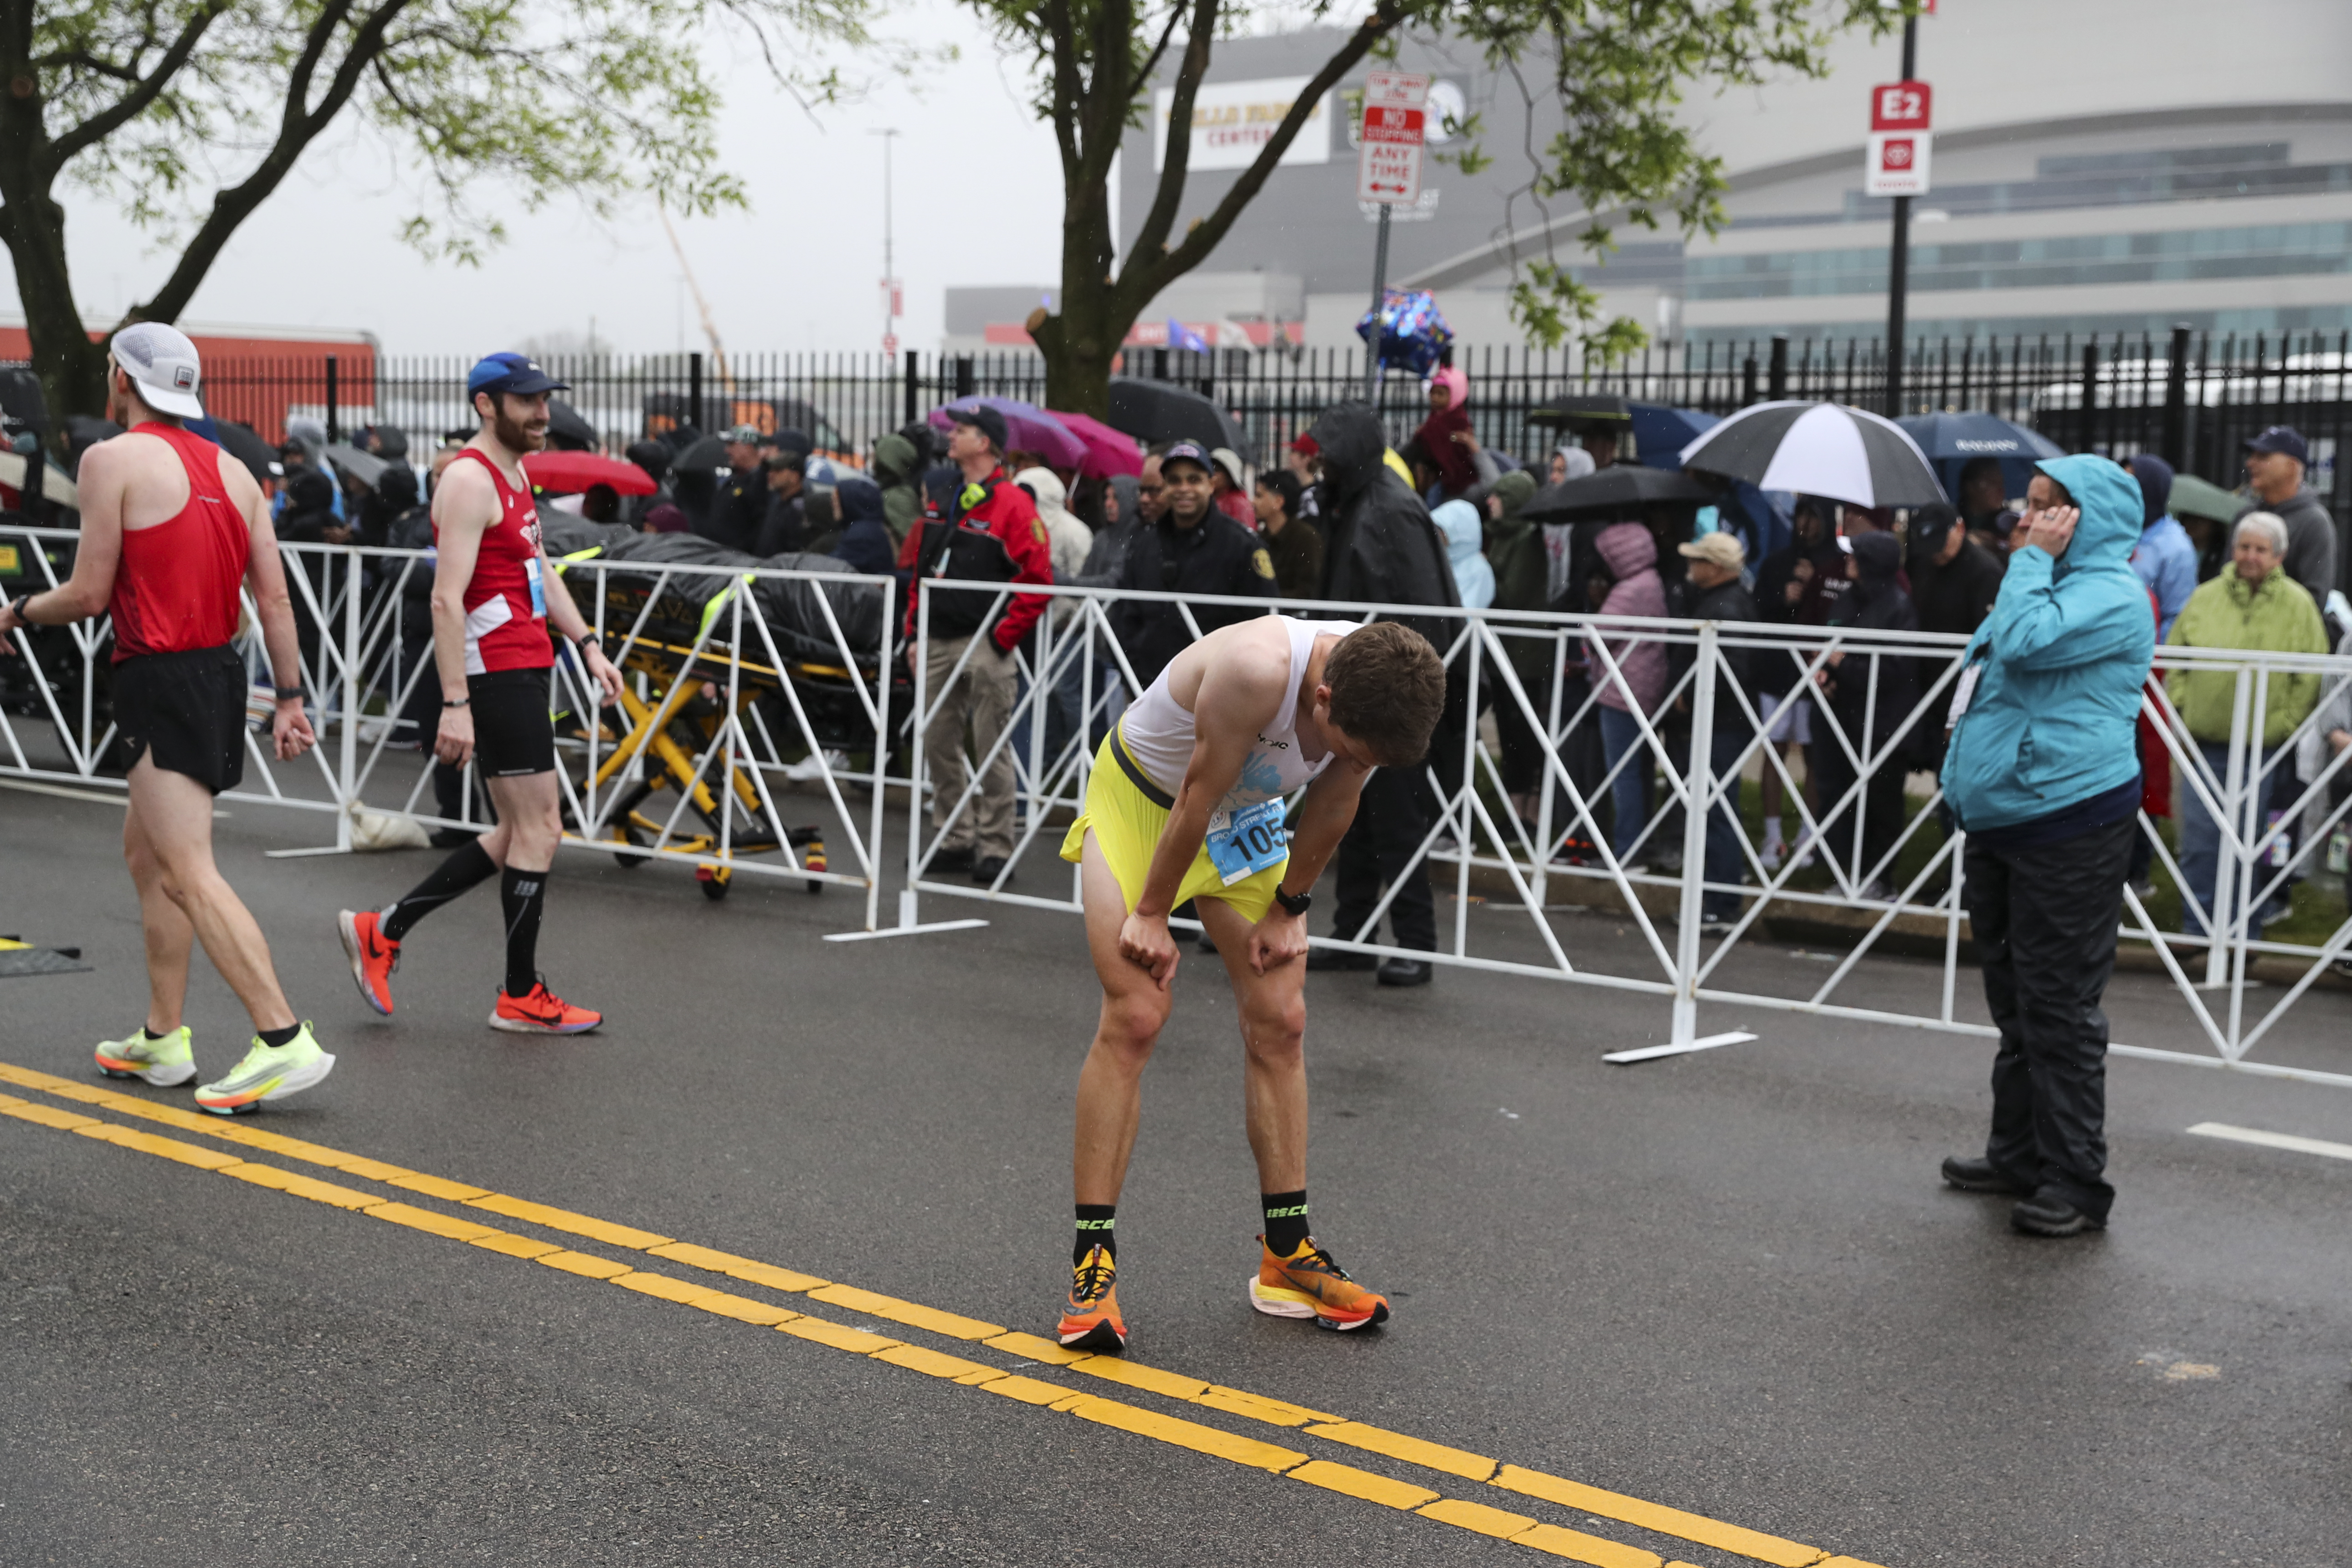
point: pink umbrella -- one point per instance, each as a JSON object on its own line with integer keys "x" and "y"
{"x": 1027, "y": 428}
{"x": 1109, "y": 451}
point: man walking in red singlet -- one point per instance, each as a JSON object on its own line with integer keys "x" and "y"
{"x": 170, "y": 525}
{"x": 491, "y": 606}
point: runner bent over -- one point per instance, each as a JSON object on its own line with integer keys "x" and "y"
{"x": 490, "y": 614}
{"x": 170, "y": 525}
{"x": 1186, "y": 802}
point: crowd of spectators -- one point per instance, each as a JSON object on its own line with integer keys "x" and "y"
{"x": 1441, "y": 520}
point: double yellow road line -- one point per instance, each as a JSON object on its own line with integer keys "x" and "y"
{"x": 1025, "y": 1351}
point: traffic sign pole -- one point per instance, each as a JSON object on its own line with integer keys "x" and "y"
{"x": 1388, "y": 171}
{"x": 1898, "y": 252}
{"x": 1380, "y": 300}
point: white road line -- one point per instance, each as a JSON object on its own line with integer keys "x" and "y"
{"x": 2273, "y": 1140}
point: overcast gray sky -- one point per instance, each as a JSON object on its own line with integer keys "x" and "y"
{"x": 978, "y": 195}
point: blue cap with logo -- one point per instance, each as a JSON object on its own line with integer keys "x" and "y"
{"x": 2283, "y": 438}
{"x": 503, "y": 372}
{"x": 1191, "y": 452}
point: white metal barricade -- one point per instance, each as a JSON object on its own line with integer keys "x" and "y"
{"x": 1654, "y": 877}
{"x": 714, "y": 716}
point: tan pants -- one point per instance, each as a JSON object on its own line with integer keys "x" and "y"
{"x": 983, "y": 699}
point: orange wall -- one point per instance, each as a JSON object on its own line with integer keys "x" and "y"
{"x": 255, "y": 379}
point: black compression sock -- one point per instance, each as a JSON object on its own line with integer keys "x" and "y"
{"x": 523, "y": 893}
{"x": 1286, "y": 1220}
{"x": 276, "y": 1038}
{"x": 1094, "y": 1230}
{"x": 465, "y": 868}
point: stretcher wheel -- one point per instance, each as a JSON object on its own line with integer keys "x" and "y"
{"x": 714, "y": 882}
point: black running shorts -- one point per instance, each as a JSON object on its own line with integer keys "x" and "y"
{"x": 512, "y": 732}
{"x": 187, "y": 710}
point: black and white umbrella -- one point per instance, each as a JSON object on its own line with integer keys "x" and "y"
{"x": 1818, "y": 448}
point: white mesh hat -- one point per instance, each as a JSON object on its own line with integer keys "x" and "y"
{"x": 163, "y": 363}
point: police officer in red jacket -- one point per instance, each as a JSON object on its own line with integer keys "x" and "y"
{"x": 988, "y": 531}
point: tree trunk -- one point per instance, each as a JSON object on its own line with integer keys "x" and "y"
{"x": 33, "y": 226}
{"x": 1078, "y": 342}
{"x": 72, "y": 368}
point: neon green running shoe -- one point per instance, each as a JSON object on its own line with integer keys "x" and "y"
{"x": 268, "y": 1072}
{"x": 166, "y": 1063}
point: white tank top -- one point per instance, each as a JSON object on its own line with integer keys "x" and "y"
{"x": 1158, "y": 731}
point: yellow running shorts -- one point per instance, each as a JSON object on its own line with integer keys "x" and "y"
{"x": 1126, "y": 824}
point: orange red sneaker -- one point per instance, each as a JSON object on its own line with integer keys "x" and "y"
{"x": 542, "y": 1011}
{"x": 373, "y": 956}
{"x": 1090, "y": 1319}
{"x": 1309, "y": 1283}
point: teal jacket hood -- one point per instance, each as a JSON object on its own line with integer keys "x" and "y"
{"x": 2114, "y": 512}
{"x": 2059, "y": 666}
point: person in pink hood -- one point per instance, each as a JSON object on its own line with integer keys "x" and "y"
{"x": 1640, "y": 684}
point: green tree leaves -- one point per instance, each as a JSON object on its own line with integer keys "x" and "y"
{"x": 192, "y": 112}
{"x": 1607, "y": 76}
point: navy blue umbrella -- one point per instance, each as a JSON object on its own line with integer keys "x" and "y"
{"x": 1660, "y": 433}
{"x": 1952, "y": 441}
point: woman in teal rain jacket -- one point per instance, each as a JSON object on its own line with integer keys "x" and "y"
{"x": 2043, "y": 773}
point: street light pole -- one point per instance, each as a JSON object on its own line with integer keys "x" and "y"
{"x": 1898, "y": 253}
{"x": 889, "y": 272}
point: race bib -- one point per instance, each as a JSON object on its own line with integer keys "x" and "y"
{"x": 1242, "y": 843}
{"x": 538, "y": 589}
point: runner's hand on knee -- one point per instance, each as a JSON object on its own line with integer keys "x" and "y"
{"x": 1277, "y": 940}
{"x": 1143, "y": 941}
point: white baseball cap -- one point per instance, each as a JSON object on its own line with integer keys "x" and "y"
{"x": 163, "y": 363}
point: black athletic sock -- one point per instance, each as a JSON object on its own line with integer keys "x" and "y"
{"x": 1286, "y": 1220}
{"x": 151, "y": 1034}
{"x": 523, "y": 893}
{"x": 276, "y": 1038}
{"x": 1094, "y": 1230}
{"x": 465, "y": 868}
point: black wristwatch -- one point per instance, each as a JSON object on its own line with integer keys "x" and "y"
{"x": 1294, "y": 903}
{"x": 285, "y": 693}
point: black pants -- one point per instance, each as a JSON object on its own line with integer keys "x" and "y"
{"x": 2045, "y": 921}
{"x": 1876, "y": 808}
{"x": 1391, "y": 818}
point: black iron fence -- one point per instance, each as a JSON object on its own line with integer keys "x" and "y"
{"x": 2191, "y": 398}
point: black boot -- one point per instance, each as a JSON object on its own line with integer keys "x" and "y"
{"x": 1971, "y": 1174}
{"x": 1407, "y": 971}
{"x": 2049, "y": 1214}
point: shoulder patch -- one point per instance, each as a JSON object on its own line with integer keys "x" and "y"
{"x": 1262, "y": 561}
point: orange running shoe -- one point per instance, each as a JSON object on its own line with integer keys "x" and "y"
{"x": 373, "y": 956}
{"x": 542, "y": 1011}
{"x": 1090, "y": 1319}
{"x": 1308, "y": 1284}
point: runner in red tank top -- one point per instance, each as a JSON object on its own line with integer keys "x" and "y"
{"x": 494, "y": 595}
{"x": 170, "y": 527}
{"x": 506, "y": 598}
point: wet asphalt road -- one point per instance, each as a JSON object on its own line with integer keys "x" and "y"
{"x": 1728, "y": 1283}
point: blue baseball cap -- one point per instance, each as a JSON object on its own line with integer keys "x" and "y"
{"x": 1191, "y": 452}
{"x": 2279, "y": 438}
{"x": 515, "y": 373}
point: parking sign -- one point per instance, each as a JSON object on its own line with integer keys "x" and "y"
{"x": 1388, "y": 165}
